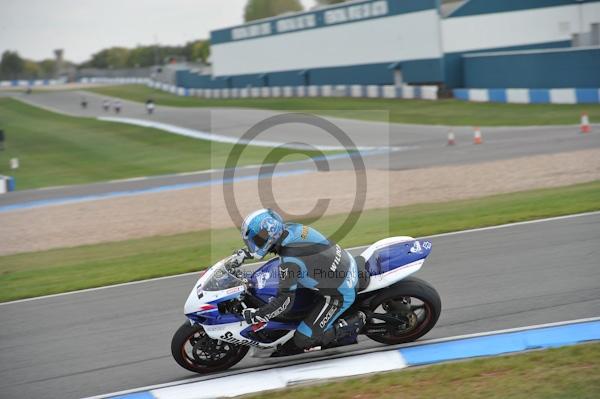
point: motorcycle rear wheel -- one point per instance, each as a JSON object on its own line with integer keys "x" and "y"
{"x": 412, "y": 300}
{"x": 194, "y": 350}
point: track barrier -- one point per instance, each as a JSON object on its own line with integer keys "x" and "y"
{"x": 7, "y": 184}
{"x": 530, "y": 96}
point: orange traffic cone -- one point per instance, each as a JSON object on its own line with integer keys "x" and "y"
{"x": 477, "y": 139}
{"x": 585, "y": 127}
{"x": 451, "y": 140}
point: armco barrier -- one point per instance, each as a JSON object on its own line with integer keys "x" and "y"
{"x": 530, "y": 96}
{"x": 263, "y": 378}
{"x": 370, "y": 91}
{"x": 31, "y": 83}
{"x": 115, "y": 80}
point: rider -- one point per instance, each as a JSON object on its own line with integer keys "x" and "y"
{"x": 310, "y": 260}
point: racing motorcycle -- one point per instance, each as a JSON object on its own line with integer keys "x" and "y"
{"x": 215, "y": 337}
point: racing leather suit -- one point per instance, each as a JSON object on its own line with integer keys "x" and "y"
{"x": 309, "y": 260}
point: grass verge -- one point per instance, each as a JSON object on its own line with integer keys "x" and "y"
{"x": 61, "y": 270}
{"x": 55, "y": 149}
{"x": 569, "y": 372}
{"x": 441, "y": 112}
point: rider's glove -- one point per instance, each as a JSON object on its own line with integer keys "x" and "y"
{"x": 240, "y": 256}
{"x": 251, "y": 317}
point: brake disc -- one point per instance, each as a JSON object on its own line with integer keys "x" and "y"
{"x": 412, "y": 320}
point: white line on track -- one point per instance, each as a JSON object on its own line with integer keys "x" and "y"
{"x": 452, "y": 233}
{"x": 224, "y": 138}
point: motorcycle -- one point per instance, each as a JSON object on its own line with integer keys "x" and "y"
{"x": 215, "y": 337}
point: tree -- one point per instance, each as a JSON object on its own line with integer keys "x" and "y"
{"x": 31, "y": 70}
{"x": 145, "y": 56}
{"x": 114, "y": 57}
{"x": 11, "y": 65}
{"x": 257, "y": 9}
{"x": 48, "y": 67}
{"x": 141, "y": 56}
{"x": 197, "y": 50}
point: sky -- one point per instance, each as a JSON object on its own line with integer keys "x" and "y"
{"x": 35, "y": 28}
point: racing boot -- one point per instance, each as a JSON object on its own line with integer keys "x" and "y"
{"x": 349, "y": 340}
{"x": 287, "y": 349}
{"x": 345, "y": 331}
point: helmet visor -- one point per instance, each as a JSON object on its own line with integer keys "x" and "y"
{"x": 261, "y": 238}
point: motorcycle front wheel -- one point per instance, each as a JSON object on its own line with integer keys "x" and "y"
{"x": 194, "y": 350}
{"x": 410, "y": 308}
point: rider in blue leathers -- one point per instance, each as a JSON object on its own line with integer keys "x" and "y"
{"x": 310, "y": 260}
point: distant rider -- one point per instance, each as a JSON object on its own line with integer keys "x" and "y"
{"x": 309, "y": 260}
{"x": 150, "y": 106}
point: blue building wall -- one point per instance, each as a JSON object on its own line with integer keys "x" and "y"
{"x": 395, "y": 7}
{"x": 557, "y": 69}
{"x": 414, "y": 72}
{"x": 453, "y": 62}
{"x": 478, "y": 7}
{"x": 454, "y": 69}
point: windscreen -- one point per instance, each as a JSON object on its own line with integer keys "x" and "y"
{"x": 220, "y": 279}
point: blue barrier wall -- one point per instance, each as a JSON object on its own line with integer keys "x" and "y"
{"x": 542, "y": 69}
{"x": 413, "y": 72}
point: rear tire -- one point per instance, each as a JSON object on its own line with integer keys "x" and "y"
{"x": 188, "y": 348}
{"x": 411, "y": 288}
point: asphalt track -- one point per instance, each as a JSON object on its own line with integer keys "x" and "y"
{"x": 116, "y": 338}
{"x": 421, "y": 145}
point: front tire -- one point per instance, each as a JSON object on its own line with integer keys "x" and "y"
{"x": 414, "y": 301}
{"x": 194, "y": 350}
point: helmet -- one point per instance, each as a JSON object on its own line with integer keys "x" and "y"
{"x": 261, "y": 230}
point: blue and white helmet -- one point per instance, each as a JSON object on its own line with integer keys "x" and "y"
{"x": 261, "y": 230}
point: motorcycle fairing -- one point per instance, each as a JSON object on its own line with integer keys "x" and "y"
{"x": 396, "y": 254}
{"x": 204, "y": 309}
{"x": 265, "y": 280}
{"x": 237, "y": 333}
{"x": 201, "y": 305}
{"x": 393, "y": 259}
